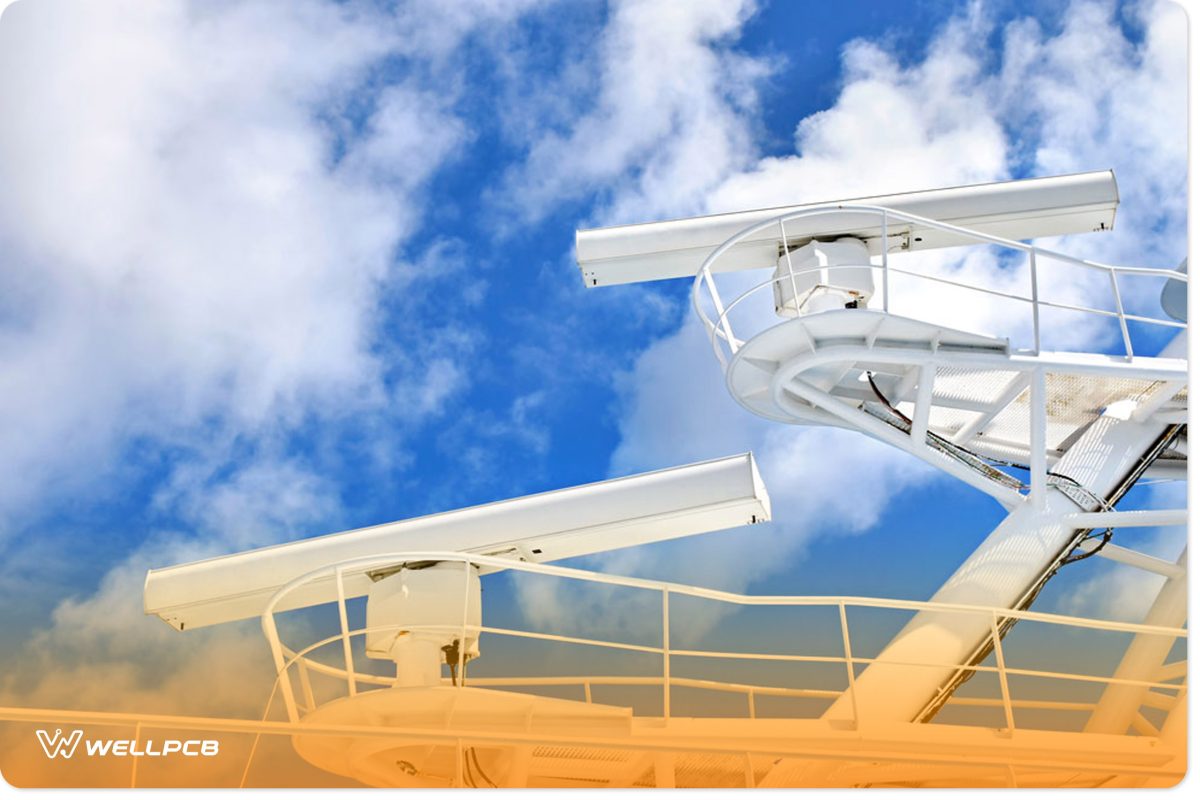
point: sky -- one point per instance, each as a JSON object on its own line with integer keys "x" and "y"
{"x": 271, "y": 270}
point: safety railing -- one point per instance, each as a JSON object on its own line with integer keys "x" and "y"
{"x": 304, "y": 664}
{"x": 893, "y": 223}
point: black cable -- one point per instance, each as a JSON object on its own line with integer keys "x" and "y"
{"x": 1067, "y": 486}
{"x": 884, "y": 400}
{"x": 475, "y": 758}
{"x": 1107, "y": 503}
{"x": 468, "y": 778}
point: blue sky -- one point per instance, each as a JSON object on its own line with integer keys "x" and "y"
{"x": 274, "y": 270}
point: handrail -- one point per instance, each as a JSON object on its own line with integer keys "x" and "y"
{"x": 721, "y": 328}
{"x": 386, "y": 559}
{"x": 286, "y": 658}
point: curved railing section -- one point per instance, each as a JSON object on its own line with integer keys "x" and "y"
{"x": 725, "y": 341}
{"x": 296, "y": 667}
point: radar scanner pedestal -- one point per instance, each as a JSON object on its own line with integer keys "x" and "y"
{"x": 821, "y": 276}
{"x": 424, "y": 615}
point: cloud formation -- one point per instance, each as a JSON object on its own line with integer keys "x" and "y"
{"x": 671, "y": 117}
{"x": 203, "y": 224}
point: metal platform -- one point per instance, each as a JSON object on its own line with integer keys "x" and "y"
{"x": 905, "y": 376}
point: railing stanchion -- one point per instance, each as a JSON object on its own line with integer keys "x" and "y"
{"x": 351, "y": 682}
{"x": 137, "y": 737}
{"x": 462, "y": 639}
{"x": 1033, "y": 294}
{"x": 1003, "y": 673}
{"x": 1112, "y": 274}
{"x": 849, "y": 660}
{"x": 883, "y": 247}
{"x": 719, "y": 307}
{"x": 1037, "y": 438}
{"x": 310, "y": 702}
{"x": 787, "y": 253}
{"x": 666, "y": 650}
{"x": 281, "y": 665}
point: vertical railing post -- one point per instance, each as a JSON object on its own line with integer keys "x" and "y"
{"x": 666, "y": 650}
{"x": 923, "y": 406}
{"x": 351, "y": 681}
{"x": 884, "y": 249}
{"x": 849, "y": 660}
{"x": 462, "y": 639}
{"x": 310, "y": 702}
{"x": 1033, "y": 295}
{"x": 137, "y": 737}
{"x": 1037, "y": 438}
{"x": 1004, "y": 694}
{"x": 285, "y": 681}
{"x": 719, "y": 307}
{"x": 787, "y": 253}
{"x": 750, "y": 702}
{"x": 1112, "y": 274}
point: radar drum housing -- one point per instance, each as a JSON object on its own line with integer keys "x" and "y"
{"x": 823, "y": 276}
{"x": 423, "y": 615}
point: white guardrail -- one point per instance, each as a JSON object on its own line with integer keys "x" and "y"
{"x": 303, "y": 663}
{"x": 893, "y": 223}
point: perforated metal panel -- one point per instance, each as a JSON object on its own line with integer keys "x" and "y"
{"x": 983, "y": 386}
{"x": 1072, "y": 403}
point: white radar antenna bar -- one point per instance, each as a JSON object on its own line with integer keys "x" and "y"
{"x": 1024, "y": 209}
{"x": 581, "y": 520}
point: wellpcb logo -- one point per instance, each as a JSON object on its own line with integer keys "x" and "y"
{"x": 59, "y": 745}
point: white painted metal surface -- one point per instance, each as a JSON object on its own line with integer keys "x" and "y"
{"x": 978, "y": 388}
{"x": 414, "y": 615}
{"x": 1024, "y": 209}
{"x": 1118, "y": 708}
{"x": 622, "y": 512}
{"x": 956, "y": 397}
{"x": 1002, "y": 572}
{"x": 364, "y": 701}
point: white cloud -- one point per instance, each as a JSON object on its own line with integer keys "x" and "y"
{"x": 102, "y": 652}
{"x": 177, "y": 246}
{"x": 892, "y": 129}
{"x": 670, "y": 119}
{"x": 203, "y": 210}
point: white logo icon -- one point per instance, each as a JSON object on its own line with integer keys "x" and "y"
{"x": 59, "y": 745}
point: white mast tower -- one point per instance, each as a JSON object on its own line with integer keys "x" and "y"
{"x": 842, "y": 333}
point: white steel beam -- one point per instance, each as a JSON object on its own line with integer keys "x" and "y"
{"x": 1133, "y": 558}
{"x": 1149, "y": 518}
{"x": 1118, "y": 706}
{"x": 1000, "y": 573}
